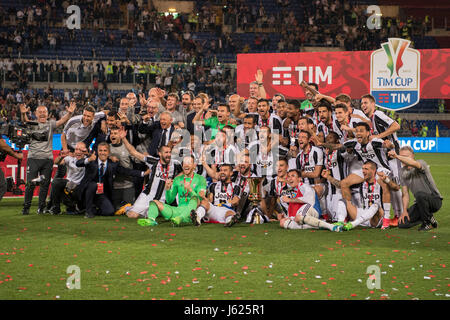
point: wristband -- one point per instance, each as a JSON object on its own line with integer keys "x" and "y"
{"x": 387, "y": 180}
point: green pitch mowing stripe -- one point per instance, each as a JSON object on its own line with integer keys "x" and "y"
{"x": 118, "y": 259}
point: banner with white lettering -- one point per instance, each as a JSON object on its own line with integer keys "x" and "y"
{"x": 351, "y": 72}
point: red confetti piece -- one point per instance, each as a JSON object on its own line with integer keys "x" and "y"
{"x": 244, "y": 267}
{"x": 354, "y": 295}
{"x": 334, "y": 265}
{"x": 173, "y": 293}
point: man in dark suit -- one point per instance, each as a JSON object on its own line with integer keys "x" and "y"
{"x": 161, "y": 132}
{"x": 97, "y": 183}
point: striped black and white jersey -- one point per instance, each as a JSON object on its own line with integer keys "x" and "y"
{"x": 264, "y": 164}
{"x": 373, "y": 150}
{"x": 277, "y": 189}
{"x": 241, "y": 180}
{"x": 200, "y": 169}
{"x": 159, "y": 174}
{"x": 343, "y": 135}
{"x": 336, "y": 163}
{"x": 380, "y": 123}
{"x": 215, "y": 155}
{"x": 371, "y": 193}
{"x": 243, "y": 139}
{"x": 291, "y": 132}
{"x": 223, "y": 192}
{"x": 274, "y": 122}
{"x": 307, "y": 162}
{"x": 324, "y": 128}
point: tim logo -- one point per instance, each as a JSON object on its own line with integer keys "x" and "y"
{"x": 395, "y": 75}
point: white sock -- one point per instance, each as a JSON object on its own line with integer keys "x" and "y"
{"x": 341, "y": 211}
{"x": 365, "y": 215}
{"x": 387, "y": 210}
{"x": 397, "y": 202}
{"x": 228, "y": 218}
{"x": 201, "y": 212}
{"x": 315, "y": 222}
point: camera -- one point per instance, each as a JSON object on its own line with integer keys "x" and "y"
{"x": 40, "y": 136}
{"x": 19, "y": 134}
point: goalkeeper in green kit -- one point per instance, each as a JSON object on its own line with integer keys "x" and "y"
{"x": 190, "y": 188}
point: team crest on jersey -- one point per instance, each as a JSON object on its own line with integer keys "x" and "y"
{"x": 395, "y": 75}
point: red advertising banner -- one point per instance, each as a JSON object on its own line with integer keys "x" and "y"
{"x": 335, "y": 72}
{"x": 9, "y": 168}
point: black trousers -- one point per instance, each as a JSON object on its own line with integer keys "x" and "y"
{"x": 422, "y": 210}
{"x": 36, "y": 167}
{"x": 58, "y": 196}
{"x": 2, "y": 184}
{"x": 97, "y": 204}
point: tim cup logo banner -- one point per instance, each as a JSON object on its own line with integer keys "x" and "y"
{"x": 395, "y": 75}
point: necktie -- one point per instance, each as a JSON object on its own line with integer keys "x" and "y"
{"x": 101, "y": 172}
{"x": 163, "y": 138}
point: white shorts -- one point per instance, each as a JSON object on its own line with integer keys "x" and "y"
{"x": 356, "y": 198}
{"x": 332, "y": 203}
{"x": 140, "y": 206}
{"x": 307, "y": 209}
{"x": 367, "y": 223}
{"x": 216, "y": 214}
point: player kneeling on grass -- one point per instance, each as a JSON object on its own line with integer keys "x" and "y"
{"x": 416, "y": 177}
{"x": 223, "y": 197}
{"x": 302, "y": 214}
{"x": 369, "y": 212}
{"x": 190, "y": 188}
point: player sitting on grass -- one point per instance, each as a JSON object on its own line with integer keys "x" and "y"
{"x": 369, "y": 212}
{"x": 302, "y": 214}
{"x": 223, "y": 197}
{"x": 190, "y": 188}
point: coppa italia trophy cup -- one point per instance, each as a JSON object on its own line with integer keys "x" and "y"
{"x": 255, "y": 197}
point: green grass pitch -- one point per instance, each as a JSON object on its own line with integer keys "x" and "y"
{"x": 118, "y": 259}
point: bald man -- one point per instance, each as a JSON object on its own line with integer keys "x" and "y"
{"x": 40, "y": 153}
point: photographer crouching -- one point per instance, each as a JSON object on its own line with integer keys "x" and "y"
{"x": 40, "y": 153}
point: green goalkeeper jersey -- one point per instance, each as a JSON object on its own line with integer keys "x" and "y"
{"x": 198, "y": 183}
